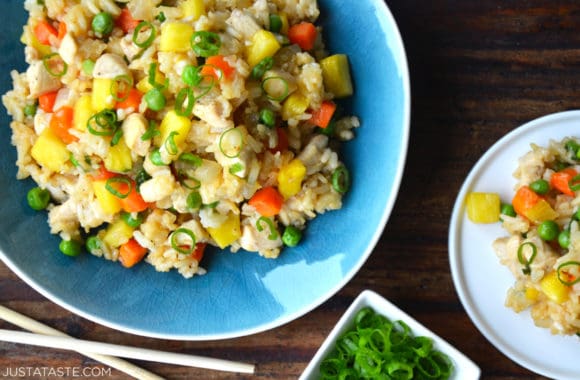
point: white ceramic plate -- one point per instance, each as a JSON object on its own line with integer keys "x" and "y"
{"x": 482, "y": 282}
{"x": 464, "y": 369}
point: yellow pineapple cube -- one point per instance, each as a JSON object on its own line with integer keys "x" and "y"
{"x": 228, "y": 232}
{"x": 49, "y": 151}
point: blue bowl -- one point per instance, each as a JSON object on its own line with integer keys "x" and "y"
{"x": 242, "y": 293}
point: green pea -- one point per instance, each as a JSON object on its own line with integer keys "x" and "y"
{"x": 564, "y": 239}
{"x": 102, "y": 24}
{"x": 190, "y": 75}
{"x": 291, "y": 236}
{"x": 130, "y": 220}
{"x": 93, "y": 244}
{"x": 155, "y": 99}
{"x": 38, "y": 199}
{"x": 548, "y": 230}
{"x": 30, "y": 109}
{"x": 275, "y": 23}
{"x": 88, "y": 66}
{"x": 268, "y": 117}
{"x": 507, "y": 209}
{"x": 70, "y": 247}
{"x": 540, "y": 186}
{"x": 572, "y": 146}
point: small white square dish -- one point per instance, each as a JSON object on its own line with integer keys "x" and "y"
{"x": 463, "y": 367}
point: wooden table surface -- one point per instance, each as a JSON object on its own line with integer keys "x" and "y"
{"x": 478, "y": 69}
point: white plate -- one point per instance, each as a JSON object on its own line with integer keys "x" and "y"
{"x": 482, "y": 282}
{"x": 464, "y": 368}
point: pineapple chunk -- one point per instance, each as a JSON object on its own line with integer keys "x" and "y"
{"x": 290, "y": 178}
{"x": 175, "y": 37}
{"x": 554, "y": 289}
{"x": 532, "y": 294}
{"x": 540, "y": 212}
{"x": 483, "y": 207}
{"x": 83, "y": 110}
{"x": 295, "y": 105}
{"x": 117, "y": 233}
{"x": 109, "y": 203}
{"x": 263, "y": 45}
{"x": 119, "y": 158}
{"x": 102, "y": 96}
{"x": 228, "y": 232}
{"x": 49, "y": 151}
{"x": 175, "y": 126}
{"x": 193, "y": 9}
{"x": 336, "y": 75}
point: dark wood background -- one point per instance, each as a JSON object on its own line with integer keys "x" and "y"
{"x": 478, "y": 69}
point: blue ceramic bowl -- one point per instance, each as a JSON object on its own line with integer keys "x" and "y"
{"x": 242, "y": 293}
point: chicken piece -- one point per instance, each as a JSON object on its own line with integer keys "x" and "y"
{"x": 260, "y": 241}
{"x": 158, "y": 187}
{"x": 215, "y": 111}
{"x": 68, "y": 48}
{"x": 134, "y": 126}
{"x": 242, "y": 25}
{"x": 110, "y": 66}
{"x": 40, "y": 81}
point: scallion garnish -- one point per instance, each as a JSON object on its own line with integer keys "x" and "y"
{"x": 152, "y": 77}
{"x": 188, "y": 181}
{"x": 236, "y": 168}
{"x": 566, "y": 278}
{"x": 151, "y": 131}
{"x": 260, "y": 69}
{"x": 55, "y": 65}
{"x": 119, "y": 186}
{"x": 276, "y": 88}
{"x": 184, "y": 102}
{"x": 273, "y": 231}
{"x": 527, "y": 261}
{"x": 191, "y": 158}
{"x": 340, "y": 179}
{"x": 205, "y": 44}
{"x": 156, "y": 158}
{"x": 150, "y": 38}
{"x": 231, "y": 142}
{"x": 194, "y": 200}
{"x": 177, "y": 241}
{"x": 103, "y": 123}
{"x": 121, "y": 85}
{"x": 170, "y": 144}
{"x": 160, "y": 17}
{"x": 117, "y": 137}
{"x": 574, "y": 183}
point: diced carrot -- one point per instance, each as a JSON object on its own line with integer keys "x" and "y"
{"x": 267, "y": 201}
{"x": 561, "y": 180}
{"x": 133, "y": 202}
{"x": 217, "y": 62}
{"x": 102, "y": 174}
{"x": 43, "y": 32}
{"x": 126, "y": 21}
{"x": 46, "y": 101}
{"x": 61, "y": 31}
{"x": 524, "y": 199}
{"x": 282, "y": 141}
{"x": 61, "y": 122}
{"x": 197, "y": 254}
{"x": 303, "y": 35}
{"x": 322, "y": 116}
{"x": 132, "y": 100}
{"x": 131, "y": 253}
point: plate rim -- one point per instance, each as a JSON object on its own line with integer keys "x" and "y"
{"x": 458, "y": 214}
{"x": 403, "y": 68}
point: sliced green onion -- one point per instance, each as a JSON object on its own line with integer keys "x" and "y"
{"x": 55, "y": 65}
{"x": 176, "y": 244}
{"x": 156, "y": 158}
{"x": 121, "y": 84}
{"x": 152, "y": 77}
{"x": 574, "y": 183}
{"x": 211, "y": 205}
{"x": 260, "y": 69}
{"x": 561, "y": 273}
{"x": 184, "y": 97}
{"x": 191, "y": 158}
{"x": 189, "y": 182}
{"x": 194, "y": 200}
{"x": 141, "y": 177}
{"x": 275, "y": 88}
{"x": 117, "y": 137}
{"x": 231, "y": 142}
{"x": 151, "y": 131}
{"x": 132, "y": 221}
{"x": 275, "y": 23}
{"x": 273, "y": 231}
{"x": 205, "y": 44}
{"x": 170, "y": 144}
{"x": 236, "y": 168}
{"x": 161, "y": 17}
{"x": 526, "y": 262}
{"x": 103, "y": 123}
{"x": 150, "y": 38}
{"x": 112, "y": 185}
{"x": 341, "y": 179}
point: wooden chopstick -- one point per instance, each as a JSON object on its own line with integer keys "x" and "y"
{"x": 68, "y": 343}
{"x": 34, "y": 326}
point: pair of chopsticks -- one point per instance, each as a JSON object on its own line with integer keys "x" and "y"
{"x": 106, "y": 353}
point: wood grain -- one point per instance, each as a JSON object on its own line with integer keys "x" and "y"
{"x": 478, "y": 69}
